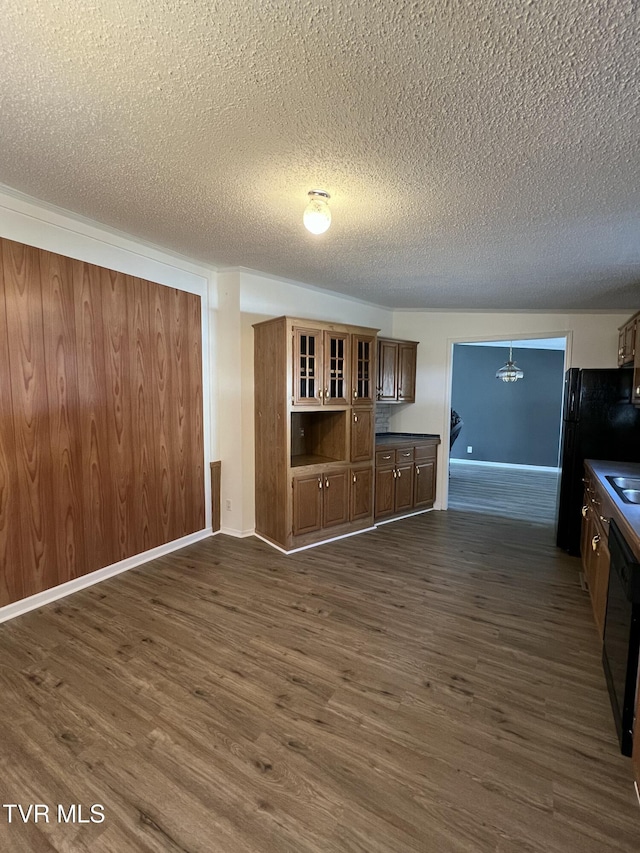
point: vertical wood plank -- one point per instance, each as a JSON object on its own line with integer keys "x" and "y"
{"x": 27, "y": 373}
{"x": 64, "y": 409}
{"x": 161, "y": 416}
{"x": 181, "y": 443}
{"x": 147, "y": 528}
{"x": 97, "y": 486}
{"x": 11, "y": 570}
{"x": 196, "y": 427}
{"x": 119, "y": 435}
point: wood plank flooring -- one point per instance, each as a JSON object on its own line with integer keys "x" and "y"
{"x": 434, "y": 685}
{"x": 528, "y": 494}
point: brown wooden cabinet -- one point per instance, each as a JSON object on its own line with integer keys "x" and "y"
{"x": 424, "y": 482}
{"x": 595, "y": 557}
{"x": 361, "y": 505}
{"x": 313, "y": 420}
{"x": 396, "y": 371}
{"x": 405, "y": 476}
{"x": 362, "y": 429}
{"x": 627, "y": 341}
{"x": 321, "y": 367}
{"x": 363, "y": 375}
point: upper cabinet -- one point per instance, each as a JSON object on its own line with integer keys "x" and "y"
{"x": 629, "y": 352}
{"x": 363, "y": 365}
{"x": 627, "y": 341}
{"x": 320, "y": 367}
{"x": 396, "y": 371}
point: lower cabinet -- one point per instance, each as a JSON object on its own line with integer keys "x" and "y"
{"x": 320, "y": 500}
{"x": 330, "y": 498}
{"x": 361, "y": 493}
{"x": 405, "y": 479}
{"x": 595, "y": 552}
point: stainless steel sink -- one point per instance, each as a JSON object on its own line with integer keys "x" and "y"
{"x": 627, "y": 488}
{"x": 626, "y": 482}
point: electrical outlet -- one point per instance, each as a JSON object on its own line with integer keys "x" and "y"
{"x": 301, "y": 432}
{"x": 227, "y": 504}
{"x": 469, "y": 448}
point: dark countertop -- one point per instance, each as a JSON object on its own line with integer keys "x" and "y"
{"x": 385, "y": 439}
{"x": 628, "y": 519}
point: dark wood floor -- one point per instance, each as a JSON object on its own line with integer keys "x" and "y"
{"x": 528, "y": 494}
{"x": 432, "y": 686}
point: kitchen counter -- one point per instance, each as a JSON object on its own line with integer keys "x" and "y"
{"x": 626, "y": 515}
{"x": 389, "y": 439}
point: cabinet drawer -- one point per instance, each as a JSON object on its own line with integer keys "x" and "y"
{"x": 404, "y": 455}
{"x": 385, "y": 458}
{"x": 425, "y": 451}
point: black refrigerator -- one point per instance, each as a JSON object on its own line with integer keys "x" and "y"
{"x": 599, "y": 422}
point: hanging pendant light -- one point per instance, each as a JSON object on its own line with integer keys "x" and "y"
{"x": 317, "y": 216}
{"x": 510, "y": 372}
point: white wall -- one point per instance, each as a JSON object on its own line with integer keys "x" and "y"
{"x": 592, "y": 341}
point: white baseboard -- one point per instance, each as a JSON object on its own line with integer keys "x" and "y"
{"x": 10, "y": 611}
{"x": 314, "y": 544}
{"x": 400, "y": 517}
{"x": 503, "y": 465}
{"x": 237, "y": 534}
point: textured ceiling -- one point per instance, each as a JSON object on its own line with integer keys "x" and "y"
{"x": 479, "y": 153}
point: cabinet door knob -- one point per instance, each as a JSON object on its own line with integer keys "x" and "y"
{"x": 595, "y": 541}
{"x": 355, "y": 419}
{"x": 417, "y": 469}
{"x": 326, "y": 484}
{"x": 319, "y": 482}
{"x": 355, "y": 393}
{"x": 354, "y": 478}
{"x": 638, "y": 391}
{"x": 399, "y": 473}
{"x": 320, "y": 393}
{"x": 387, "y": 457}
{"x": 326, "y": 393}
{"x": 605, "y": 520}
{"x": 395, "y": 473}
{"x": 585, "y": 511}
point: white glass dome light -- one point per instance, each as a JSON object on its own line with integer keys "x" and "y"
{"x": 317, "y": 216}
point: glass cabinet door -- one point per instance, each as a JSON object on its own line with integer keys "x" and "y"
{"x": 363, "y": 349}
{"x": 336, "y": 368}
{"x": 307, "y": 367}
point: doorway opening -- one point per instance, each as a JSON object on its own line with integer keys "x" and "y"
{"x": 505, "y": 436}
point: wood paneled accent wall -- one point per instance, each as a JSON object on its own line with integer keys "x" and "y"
{"x": 101, "y": 432}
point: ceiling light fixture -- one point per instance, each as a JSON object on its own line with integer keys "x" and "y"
{"x": 510, "y": 372}
{"x": 317, "y": 216}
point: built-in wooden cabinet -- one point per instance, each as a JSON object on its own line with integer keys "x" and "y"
{"x": 363, "y": 377}
{"x": 321, "y": 362}
{"x": 320, "y": 500}
{"x": 627, "y": 341}
{"x": 362, "y": 434}
{"x": 405, "y": 477}
{"x": 361, "y": 493}
{"x": 396, "y": 371}
{"x": 314, "y": 425}
{"x": 595, "y": 557}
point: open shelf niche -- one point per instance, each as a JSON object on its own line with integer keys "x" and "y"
{"x": 318, "y": 438}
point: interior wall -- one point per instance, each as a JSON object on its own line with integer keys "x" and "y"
{"x": 101, "y": 427}
{"x": 515, "y": 423}
{"x": 34, "y": 223}
{"x": 592, "y": 342}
